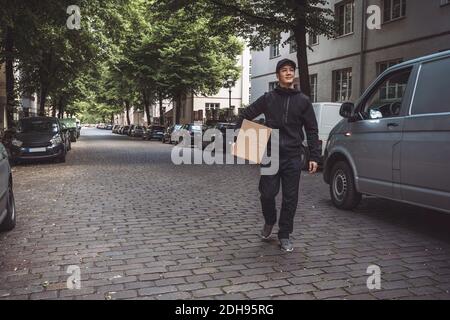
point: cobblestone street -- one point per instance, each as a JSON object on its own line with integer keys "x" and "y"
{"x": 140, "y": 227}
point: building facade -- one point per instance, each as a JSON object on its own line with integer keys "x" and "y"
{"x": 220, "y": 106}
{"x": 341, "y": 68}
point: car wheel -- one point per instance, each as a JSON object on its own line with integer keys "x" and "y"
{"x": 62, "y": 158}
{"x": 342, "y": 187}
{"x": 10, "y": 220}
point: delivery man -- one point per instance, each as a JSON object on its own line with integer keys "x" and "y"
{"x": 288, "y": 110}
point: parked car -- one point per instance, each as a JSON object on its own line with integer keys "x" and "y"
{"x": 66, "y": 134}
{"x": 78, "y": 128}
{"x": 394, "y": 141}
{"x": 71, "y": 125}
{"x": 167, "y": 136}
{"x": 130, "y": 129}
{"x": 109, "y": 127}
{"x": 115, "y": 128}
{"x": 124, "y": 130}
{"x": 222, "y": 127}
{"x": 7, "y": 204}
{"x": 153, "y": 132}
{"x": 39, "y": 138}
{"x": 195, "y": 131}
{"x": 327, "y": 116}
{"x": 137, "y": 131}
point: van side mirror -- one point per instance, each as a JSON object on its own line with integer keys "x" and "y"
{"x": 347, "y": 110}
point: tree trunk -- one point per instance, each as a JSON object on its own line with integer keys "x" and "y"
{"x": 112, "y": 118}
{"x": 43, "y": 98}
{"x": 161, "y": 110}
{"x": 9, "y": 51}
{"x": 54, "y": 111}
{"x": 177, "y": 109}
{"x": 60, "y": 108}
{"x": 127, "y": 108}
{"x": 147, "y": 107}
{"x": 302, "y": 57}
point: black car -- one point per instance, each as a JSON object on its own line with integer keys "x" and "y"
{"x": 124, "y": 130}
{"x": 226, "y": 139}
{"x": 39, "y": 138}
{"x": 169, "y": 132}
{"x": 67, "y": 136}
{"x": 7, "y": 204}
{"x": 154, "y": 132}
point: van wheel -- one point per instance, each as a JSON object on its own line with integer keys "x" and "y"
{"x": 342, "y": 187}
{"x": 10, "y": 220}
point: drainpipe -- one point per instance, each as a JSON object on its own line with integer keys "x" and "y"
{"x": 363, "y": 49}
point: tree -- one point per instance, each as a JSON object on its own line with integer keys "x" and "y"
{"x": 262, "y": 21}
{"x": 49, "y": 56}
{"x": 197, "y": 55}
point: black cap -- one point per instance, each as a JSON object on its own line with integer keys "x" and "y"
{"x": 284, "y": 62}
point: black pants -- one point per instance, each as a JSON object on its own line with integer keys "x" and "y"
{"x": 289, "y": 176}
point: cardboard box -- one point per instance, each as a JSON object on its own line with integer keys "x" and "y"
{"x": 251, "y": 141}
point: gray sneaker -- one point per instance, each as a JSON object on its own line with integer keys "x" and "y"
{"x": 266, "y": 231}
{"x": 286, "y": 245}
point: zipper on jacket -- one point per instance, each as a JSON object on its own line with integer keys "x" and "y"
{"x": 287, "y": 110}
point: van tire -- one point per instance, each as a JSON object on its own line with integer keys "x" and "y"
{"x": 10, "y": 220}
{"x": 342, "y": 187}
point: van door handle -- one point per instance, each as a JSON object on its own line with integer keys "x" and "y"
{"x": 392, "y": 124}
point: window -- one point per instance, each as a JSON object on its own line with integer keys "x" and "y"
{"x": 432, "y": 93}
{"x": 391, "y": 90}
{"x": 275, "y": 49}
{"x": 273, "y": 85}
{"x": 313, "y": 39}
{"x": 342, "y": 80}
{"x": 382, "y": 66}
{"x": 313, "y": 85}
{"x": 394, "y": 9}
{"x": 345, "y": 15}
{"x": 292, "y": 44}
{"x": 386, "y": 99}
{"x": 211, "y": 111}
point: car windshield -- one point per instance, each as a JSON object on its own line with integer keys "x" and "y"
{"x": 44, "y": 126}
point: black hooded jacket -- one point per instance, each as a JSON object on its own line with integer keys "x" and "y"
{"x": 288, "y": 110}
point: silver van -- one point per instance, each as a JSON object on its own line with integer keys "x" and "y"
{"x": 394, "y": 142}
{"x": 7, "y": 205}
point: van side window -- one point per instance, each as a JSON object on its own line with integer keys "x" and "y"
{"x": 432, "y": 92}
{"x": 386, "y": 98}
